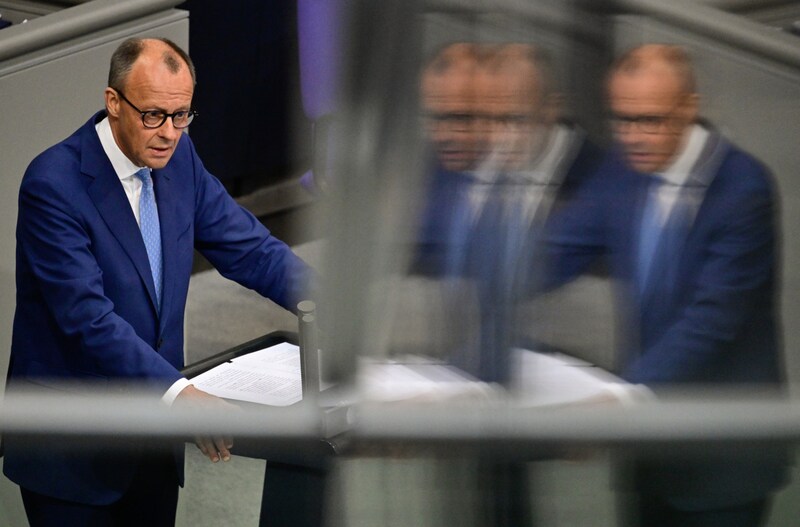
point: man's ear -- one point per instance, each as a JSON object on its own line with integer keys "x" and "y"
{"x": 553, "y": 108}
{"x": 112, "y": 102}
{"x": 691, "y": 107}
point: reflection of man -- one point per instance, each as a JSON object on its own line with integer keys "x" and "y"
{"x": 450, "y": 97}
{"x": 688, "y": 224}
{"x": 108, "y": 220}
{"x": 484, "y": 215}
{"x": 519, "y": 105}
{"x": 534, "y": 162}
{"x": 484, "y": 219}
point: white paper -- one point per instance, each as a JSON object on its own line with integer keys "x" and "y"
{"x": 268, "y": 376}
{"x": 272, "y": 376}
{"x": 538, "y": 380}
{"x": 418, "y": 381}
{"x": 557, "y": 379}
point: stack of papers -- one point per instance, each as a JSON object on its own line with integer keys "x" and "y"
{"x": 268, "y": 376}
{"x": 555, "y": 379}
{"x": 271, "y": 376}
{"x": 418, "y": 380}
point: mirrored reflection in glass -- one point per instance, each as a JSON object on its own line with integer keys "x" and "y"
{"x": 574, "y": 209}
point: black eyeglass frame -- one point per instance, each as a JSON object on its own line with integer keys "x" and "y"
{"x": 648, "y": 124}
{"x": 190, "y": 115}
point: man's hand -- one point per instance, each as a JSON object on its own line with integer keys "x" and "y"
{"x": 215, "y": 448}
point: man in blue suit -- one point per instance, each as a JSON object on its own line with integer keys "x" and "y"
{"x": 687, "y": 223}
{"x": 504, "y": 159}
{"x": 108, "y": 220}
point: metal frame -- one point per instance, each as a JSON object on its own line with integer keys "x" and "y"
{"x": 73, "y": 22}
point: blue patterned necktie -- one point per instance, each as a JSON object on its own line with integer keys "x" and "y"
{"x": 497, "y": 252}
{"x": 650, "y": 232}
{"x": 151, "y": 229}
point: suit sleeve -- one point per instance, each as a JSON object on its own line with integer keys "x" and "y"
{"x": 241, "y": 248}
{"x": 61, "y": 275}
{"x": 732, "y": 290}
{"x": 575, "y": 235}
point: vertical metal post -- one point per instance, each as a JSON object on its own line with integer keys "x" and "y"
{"x": 375, "y": 156}
{"x": 309, "y": 349}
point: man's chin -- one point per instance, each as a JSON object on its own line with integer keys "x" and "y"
{"x": 642, "y": 162}
{"x": 456, "y": 163}
{"x": 157, "y": 164}
{"x": 158, "y": 159}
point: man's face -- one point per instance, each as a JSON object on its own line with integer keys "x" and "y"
{"x": 149, "y": 86}
{"x": 449, "y": 102}
{"x": 650, "y": 114}
{"x": 511, "y": 104}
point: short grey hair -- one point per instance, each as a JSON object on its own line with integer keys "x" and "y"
{"x": 641, "y": 57}
{"x": 124, "y": 57}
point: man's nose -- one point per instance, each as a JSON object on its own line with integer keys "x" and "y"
{"x": 168, "y": 130}
{"x": 628, "y": 135}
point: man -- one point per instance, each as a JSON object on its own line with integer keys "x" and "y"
{"x": 449, "y": 94}
{"x": 108, "y": 220}
{"x": 688, "y": 223}
{"x": 506, "y": 161}
{"x": 484, "y": 218}
{"x": 458, "y": 142}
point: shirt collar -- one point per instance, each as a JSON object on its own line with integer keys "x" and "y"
{"x": 123, "y": 166}
{"x": 544, "y": 168}
{"x": 548, "y": 167}
{"x": 694, "y": 140}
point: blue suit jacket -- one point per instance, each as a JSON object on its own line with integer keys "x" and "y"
{"x": 447, "y": 236}
{"x": 453, "y": 243}
{"x": 709, "y": 316}
{"x": 85, "y": 295}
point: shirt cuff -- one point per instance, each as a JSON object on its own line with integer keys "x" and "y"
{"x": 630, "y": 394}
{"x": 172, "y": 394}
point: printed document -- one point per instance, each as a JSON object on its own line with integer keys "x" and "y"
{"x": 268, "y": 376}
{"x": 271, "y": 376}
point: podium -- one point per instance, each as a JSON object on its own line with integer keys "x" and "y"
{"x": 296, "y": 473}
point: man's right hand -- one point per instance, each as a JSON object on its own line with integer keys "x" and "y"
{"x": 217, "y": 447}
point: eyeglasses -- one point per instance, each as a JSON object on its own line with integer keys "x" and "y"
{"x": 464, "y": 122}
{"x": 511, "y": 121}
{"x": 156, "y": 118}
{"x": 454, "y": 121}
{"x": 648, "y": 124}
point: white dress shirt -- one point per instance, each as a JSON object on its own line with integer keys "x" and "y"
{"x": 676, "y": 174}
{"x": 126, "y": 172}
{"x": 535, "y": 185}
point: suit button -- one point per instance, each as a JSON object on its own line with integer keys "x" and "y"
{"x": 159, "y": 343}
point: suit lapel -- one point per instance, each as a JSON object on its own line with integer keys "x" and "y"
{"x": 109, "y": 198}
{"x": 644, "y": 201}
{"x": 680, "y": 228}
